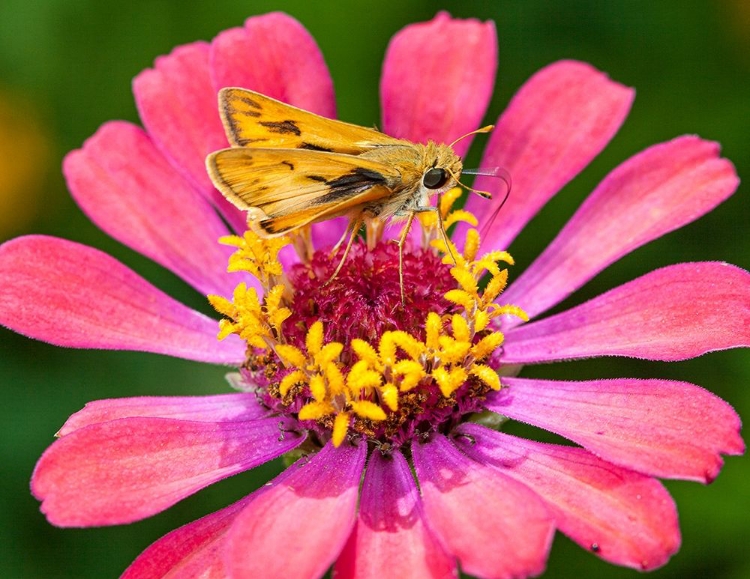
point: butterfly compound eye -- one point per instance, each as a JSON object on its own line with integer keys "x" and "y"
{"x": 435, "y": 178}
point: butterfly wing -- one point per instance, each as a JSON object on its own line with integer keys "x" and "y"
{"x": 284, "y": 189}
{"x": 254, "y": 120}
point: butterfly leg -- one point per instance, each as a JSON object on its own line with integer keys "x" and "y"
{"x": 352, "y": 229}
{"x": 340, "y": 242}
{"x": 374, "y": 227}
{"x": 401, "y": 243}
{"x": 442, "y": 230}
{"x": 441, "y": 226}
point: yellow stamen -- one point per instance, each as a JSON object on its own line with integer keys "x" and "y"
{"x": 461, "y": 330}
{"x": 486, "y": 375}
{"x": 291, "y": 355}
{"x": 411, "y": 372}
{"x": 340, "y": 428}
{"x": 510, "y": 310}
{"x": 461, "y": 298}
{"x": 256, "y": 255}
{"x": 433, "y": 328}
{"x": 365, "y": 352}
{"x": 290, "y": 380}
{"x": 487, "y": 345}
{"x": 460, "y": 216}
{"x": 336, "y": 380}
{"x": 315, "y": 411}
{"x": 318, "y": 388}
{"x": 471, "y": 247}
{"x": 389, "y": 394}
{"x": 314, "y": 338}
{"x": 465, "y": 279}
{"x": 368, "y": 410}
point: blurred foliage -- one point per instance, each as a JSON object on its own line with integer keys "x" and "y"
{"x": 66, "y": 67}
{"x": 24, "y": 163}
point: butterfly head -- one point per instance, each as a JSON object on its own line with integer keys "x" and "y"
{"x": 442, "y": 170}
{"x": 445, "y": 169}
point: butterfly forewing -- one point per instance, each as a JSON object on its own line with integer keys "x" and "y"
{"x": 255, "y": 120}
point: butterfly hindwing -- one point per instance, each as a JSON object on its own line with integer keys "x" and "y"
{"x": 289, "y": 188}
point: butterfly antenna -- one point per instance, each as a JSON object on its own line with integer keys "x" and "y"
{"x": 501, "y": 174}
{"x": 486, "y": 129}
{"x": 484, "y": 194}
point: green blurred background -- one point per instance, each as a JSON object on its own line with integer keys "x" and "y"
{"x": 66, "y": 67}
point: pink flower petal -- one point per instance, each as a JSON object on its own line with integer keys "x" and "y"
{"x": 327, "y": 233}
{"x": 495, "y": 526}
{"x": 623, "y": 517}
{"x": 657, "y": 191}
{"x": 220, "y": 408}
{"x": 276, "y": 56}
{"x": 178, "y": 105}
{"x": 658, "y": 427}
{"x": 297, "y": 527}
{"x": 133, "y": 468}
{"x": 673, "y": 313}
{"x": 67, "y": 294}
{"x": 390, "y": 538}
{"x": 437, "y": 80}
{"x": 193, "y": 550}
{"x": 555, "y": 125}
{"x": 129, "y": 189}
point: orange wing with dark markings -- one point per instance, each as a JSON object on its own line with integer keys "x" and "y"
{"x": 284, "y": 189}
{"x": 255, "y": 120}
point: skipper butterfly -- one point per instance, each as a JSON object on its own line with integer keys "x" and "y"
{"x": 289, "y": 168}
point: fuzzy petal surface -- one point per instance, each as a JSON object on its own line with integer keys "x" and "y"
{"x": 219, "y": 408}
{"x": 391, "y": 538}
{"x": 132, "y": 468}
{"x": 193, "y": 550}
{"x": 659, "y": 427}
{"x": 129, "y": 189}
{"x": 559, "y": 120}
{"x": 437, "y": 80}
{"x": 496, "y": 527}
{"x": 623, "y": 517}
{"x": 653, "y": 193}
{"x": 672, "y": 313}
{"x": 300, "y": 522}
{"x": 68, "y": 294}
{"x": 179, "y": 107}
{"x": 276, "y": 56}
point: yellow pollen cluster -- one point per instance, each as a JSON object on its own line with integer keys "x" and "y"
{"x": 256, "y": 322}
{"x": 369, "y": 390}
{"x": 257, "y": 256}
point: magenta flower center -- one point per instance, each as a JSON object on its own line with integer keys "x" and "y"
{"x": 345, "y": 356}
{"x": 364, "y": 299}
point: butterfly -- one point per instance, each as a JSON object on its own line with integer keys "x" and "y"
{"x": 289, "y": 168}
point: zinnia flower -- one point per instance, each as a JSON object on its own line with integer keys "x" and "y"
{"x": 393, "y": 411}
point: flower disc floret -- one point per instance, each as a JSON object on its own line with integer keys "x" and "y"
{"x": 385, "y": 383}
